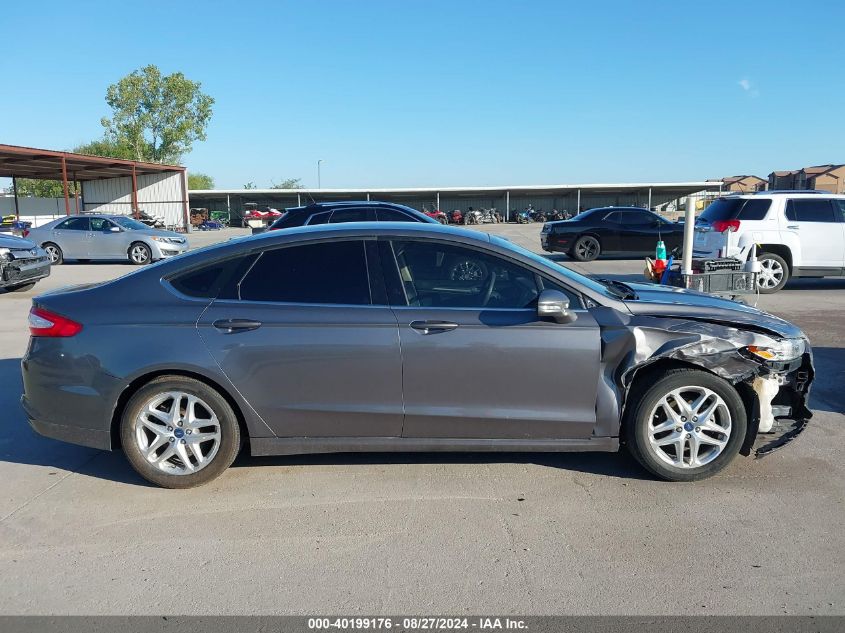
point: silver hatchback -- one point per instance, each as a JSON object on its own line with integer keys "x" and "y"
{"x": 109, "y": 237}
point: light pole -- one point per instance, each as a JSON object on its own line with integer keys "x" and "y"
{"x": 318, "y": 173}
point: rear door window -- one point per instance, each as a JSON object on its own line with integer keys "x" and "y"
{"x": 75, "y": 224}
{"x": 810, "y": 210}
{"x": 325, "y": 272}
{"x": 392, "y": 215}
{"x": 351, "y": 215}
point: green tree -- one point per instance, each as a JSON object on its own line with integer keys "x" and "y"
{"x": 250, "y": 185}
{"x": 159, "y": 117}
{"x": 197, "y": 180}
{"x": 106, "y": 147}
{"x": 287, "y": 183}
{"x": 43, "y": 188}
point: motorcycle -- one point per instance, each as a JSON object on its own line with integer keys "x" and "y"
{"x": 522, "y": 217}
{"x": 456, "y": 217}
{"x": 472, "y": 216}
{"x": 436, "y": 214}
{"x": 489, "y": 216}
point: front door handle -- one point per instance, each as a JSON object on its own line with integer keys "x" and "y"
{"x": 230, "y": 326}
{"x": 794, "y": 227}
{"x": 433, "y": 327}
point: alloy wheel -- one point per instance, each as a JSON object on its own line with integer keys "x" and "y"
{"x": 771, "y": 274}
{"x": 177, "y": 432}
{"x": 468, "y": 270}
{"x": 139, "y": 254}
{"x": 689, "y": 427}
{"x": 588, "y": 249}
{"x": 52, "y": 253}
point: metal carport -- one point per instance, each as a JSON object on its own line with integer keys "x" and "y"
{"x": 109, "y": 185}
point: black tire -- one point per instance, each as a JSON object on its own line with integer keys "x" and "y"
{"x": 21, "y": 287}
{"x": 775, "y": 265}
{"x": 230, "y": 433}
{"x": 586, "y": 248}
{"x": 638, "y": 419}
{"x": 55, "y": 254}
{"x": 139, "y": 254}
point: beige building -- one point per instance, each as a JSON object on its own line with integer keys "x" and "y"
{"x": 743, "y": 184}
{"x": 822, "y": 177}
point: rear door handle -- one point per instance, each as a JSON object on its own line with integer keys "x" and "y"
{"x": 794, "y": 227}
{"x": 433, "y": 327}
{"x": 230, "y": 326}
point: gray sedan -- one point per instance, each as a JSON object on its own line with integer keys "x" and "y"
{"x": 110, "y": 237}
{"x": 404, "y": 337}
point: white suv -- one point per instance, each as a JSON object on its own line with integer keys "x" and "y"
{"x": 798, "y": 233}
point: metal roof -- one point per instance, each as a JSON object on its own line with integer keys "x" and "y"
{"x": 500, "y": 189}
{"x": 31, "y": 162}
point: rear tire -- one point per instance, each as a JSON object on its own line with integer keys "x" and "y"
{"x": 174, "y": 423}
{"x": 586, "y": 248}
{"x": 140, "y": 254}
{"x": 774, "y": 275}
{"x": 706, "y": 441}
{"x": 54, "y": 253}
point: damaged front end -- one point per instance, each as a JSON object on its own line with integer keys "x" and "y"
{"x": 769, "y": 361}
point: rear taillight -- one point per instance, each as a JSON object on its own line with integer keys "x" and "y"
{"x": 720, "y": 226}
{"x": 45, "y": 323}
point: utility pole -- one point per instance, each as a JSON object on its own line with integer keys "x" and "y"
{"x": 318, "y": 173}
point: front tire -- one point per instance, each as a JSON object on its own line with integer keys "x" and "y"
{"x": 586, "y": 248}
{"x": 54, "y": 253}
{"x": 140, "y": 254}
{"x": 687, "y": 425}
{"x": 178, "y": 432}
{"x": 774, "y": 274}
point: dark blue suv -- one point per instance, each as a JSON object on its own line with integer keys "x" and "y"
{"x": 337, "y": 212}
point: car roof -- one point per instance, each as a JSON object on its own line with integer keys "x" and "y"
{"x": 347, "y": 203}
{"x": 372, "y": 229}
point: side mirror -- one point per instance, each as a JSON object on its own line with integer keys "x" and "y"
{"x": 115, "y": 229}
{"x": 554, "y": 304}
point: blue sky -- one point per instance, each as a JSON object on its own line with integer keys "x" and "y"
{"x": 450, "y": 93}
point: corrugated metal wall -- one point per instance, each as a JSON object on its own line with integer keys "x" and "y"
{"x": 160, "y": 195}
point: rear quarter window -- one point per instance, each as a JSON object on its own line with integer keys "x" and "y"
{"x": 737, "y": 209}
{"x": 206, "y": 282}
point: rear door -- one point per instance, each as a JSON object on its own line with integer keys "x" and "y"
{"x": 477, "y": 361}
{"x": 309, "y": 342}
{"x": 73, "y": 237}
{"x": 818, "y": 225}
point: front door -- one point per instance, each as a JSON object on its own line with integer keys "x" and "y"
{"x": 106, "y": 243}
{"x": 302, "y": 340}
{"x": 477, "y": 361}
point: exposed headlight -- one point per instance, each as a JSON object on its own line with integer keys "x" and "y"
{"x": 4, "y": 253}
{"x": 784, "y": 350}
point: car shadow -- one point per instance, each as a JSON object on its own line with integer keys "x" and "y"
{"x": 619, "y": 465}
{"x": 19, "y": 444}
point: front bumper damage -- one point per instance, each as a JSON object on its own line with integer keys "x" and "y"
{"x": 775, "y": 394}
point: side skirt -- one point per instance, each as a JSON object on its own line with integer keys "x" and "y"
{"x": 302, "y": 445}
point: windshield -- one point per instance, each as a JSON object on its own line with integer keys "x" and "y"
{"x": 598, "y": 287}
{"x": 129, "y": 224}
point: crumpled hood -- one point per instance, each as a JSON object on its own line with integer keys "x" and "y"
{"x": 667, "y": 301}
{"x": 12, "y": 241}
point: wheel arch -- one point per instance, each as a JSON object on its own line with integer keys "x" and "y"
{"x": 138, "y": 382}
{"x": 782, "y": 250}
{"x": 640, "y": 378}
